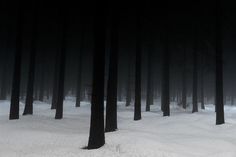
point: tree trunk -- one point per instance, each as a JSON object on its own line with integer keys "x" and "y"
{"x": 82, "y": 42}
{"x": 96, "y": 135}
{"x": 128, "y": 87}
{"x": 3, "y": 94}
{"x": 55, "y": 84}
{"x": 202, "y": 83}
{"x": 41, "y": 83}
{"x": 14, "y": 107}
{"x": 149, "y": 98}
{"x": 31, "y": 73}
{"x": 219, "y": 69}
{"x": 61, "y": 75}
{"x": 184, "y": 93}
{"x": 195, "y": 72}
{"x": 137, "y": 103}
{"x": 111, "y": 105}
{"x": 165, "y": 95}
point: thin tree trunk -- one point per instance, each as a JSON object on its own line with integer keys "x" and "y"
{"x": 137, "y": 103}
{"x": 165, "y": 95}
{"x": 195, "y": 72}
{"x": 31, "y": 74}
{"x": 14, "y": 106}
{"x": 55, "y": 84}
{"x": 184, "y": 93}
{"x": 111, "y": 106}
{"x": 3, "y": 94}
{"x": 41, "y": 87}
{"x": 78, "y": 89}
{"x": 128, "y": 87}
{"x": 202, "y": 83}
{"x": 61, "y": 78}
{"x": 149, "y": 98}
{"x": 219, "y": 69}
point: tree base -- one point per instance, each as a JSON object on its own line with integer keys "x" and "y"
{"x": 110, "y": 130}
{"x": 25, "y": 114}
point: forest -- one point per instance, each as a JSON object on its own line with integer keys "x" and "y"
{"x": 117, "y": 78}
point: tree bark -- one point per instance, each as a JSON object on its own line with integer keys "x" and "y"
{"x": 165, "y": 95}
{"x": 62, "y": 60}
{"x": 96, "y": 134}
{"x": 14, "y": 106}
{"x": 31, "y": 73}
{"x": 137, "y": 103}
{"x": 219, "y": 69}
{"x": 111, "y": 106}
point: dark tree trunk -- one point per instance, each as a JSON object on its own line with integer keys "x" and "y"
{"x": 195, "y": 72}
{"x": 202, "y": 82}
{"x": 219, "y": 69}
{"x": 61, "y": 70}
{"x": 82, "y": 42}
{"x": 128, "y": 87}
{"x": 31, "y": 73}
{"x": 96, "y": 135}
{"x": 184, "y": 93}
{"x": 14, "y": 107}
{"x": 55, "y": 84}
{"x": 137, "y": 103}
{"x": 165, "y": 95}
{"x": 41, "y": 87}
{"x": 111, "y": 105}
{"x": 149, "y": 98}
{"x": 3, "y": 94}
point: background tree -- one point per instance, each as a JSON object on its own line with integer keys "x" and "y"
{"x": 14, "y": 107}
{"x": 219, "y": 67}
{"x": 31, "y": 73}
{"x": 137, "y": 103}
{"x": 62, "y": 61}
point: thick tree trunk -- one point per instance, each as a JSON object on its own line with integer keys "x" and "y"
{"x": 137, "y": 103}
{"x": 14, "y": 107}
{"x": 96, "y": 134}
{"x": 111, "y": 105}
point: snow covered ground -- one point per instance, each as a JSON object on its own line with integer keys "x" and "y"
{"x": 183, "y": 134}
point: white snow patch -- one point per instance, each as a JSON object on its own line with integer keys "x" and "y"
{"x": 183, "y": 134}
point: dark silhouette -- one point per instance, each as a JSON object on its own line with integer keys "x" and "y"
{"x": 31, "y": 73}
{"x": 165, "y": 94}
{"x": 79, "y": 72}
{"x": 111, "y": 105}
{"x": 96, "y": 134}
{"x": 14, "y": 107}
{"x": 219, "y": 102}
{"x": 62, "y": 61}
{"x": 137, "y": 102}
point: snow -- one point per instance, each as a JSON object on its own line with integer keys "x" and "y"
{"x": 183, "y": 134}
